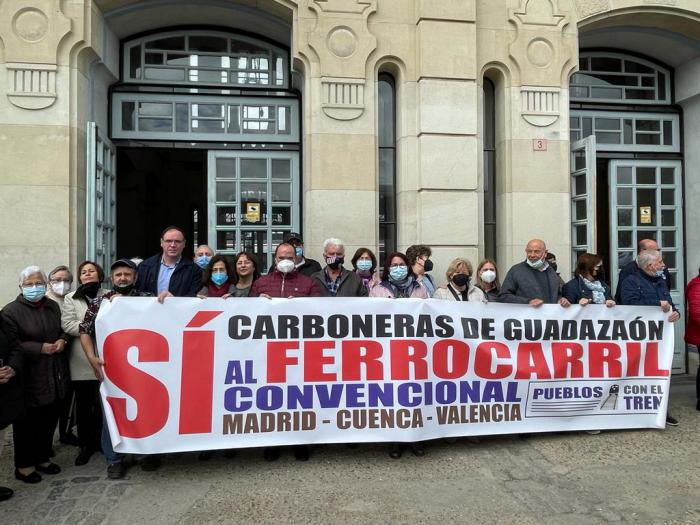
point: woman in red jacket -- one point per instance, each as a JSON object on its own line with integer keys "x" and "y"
{"x": 692, "y": 330}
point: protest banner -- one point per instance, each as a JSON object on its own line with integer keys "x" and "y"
{"x": 194, "y": 374}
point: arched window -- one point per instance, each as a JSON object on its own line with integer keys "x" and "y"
{"x": 387, "y": 164}
{"x": 489, "y": 152}
{"x": 618, "y": 78}
{"x": 205, "y": 58}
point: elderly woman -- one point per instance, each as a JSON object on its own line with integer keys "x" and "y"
{"x": 365, "y": 264}
{"x": 88, "y": 409}
{"x": 218, "y": 279}
{"x": 60, "y": 283}
{"x": 459, "y": 286}
{"x": 487, "y": 279}
{"x": 34, "y": 323}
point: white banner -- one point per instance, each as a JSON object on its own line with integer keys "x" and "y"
{"x": 194, "y": 374}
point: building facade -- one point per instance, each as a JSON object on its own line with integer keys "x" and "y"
{"x": 468, "y": 125}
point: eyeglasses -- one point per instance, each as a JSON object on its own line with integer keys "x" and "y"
{"x": 172, "y": 241}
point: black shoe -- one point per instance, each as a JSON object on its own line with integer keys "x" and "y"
{"x": 697, "y": 407}
{"x": 150, "y": 463}
{"x": 395, "y": 451}
{"x": 271, "y": 453}
{"x": 418, "y": 450}
{"x": 230, "y": 454}
{"x": 302, "y": 452}
{"x": 51, "y": 469}
{"x": 34, "y": 477}
{"x": 69, "y": 439}
{"x": 83, "y": 456}
{"x": 116, "y": 470}
{"x": 5, "y": 493}
{"x": 205, "y": 455}
{"x": 671, "y": 421}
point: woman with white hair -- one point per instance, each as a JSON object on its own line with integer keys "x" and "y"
{"x": 34, "y": 323}
{"x": 60, "y": 283}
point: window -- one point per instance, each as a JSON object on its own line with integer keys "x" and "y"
{"x": 608, "y": 77}
{"x": 489, "y": 169}
{"x": 627, "y": 131}
{"x": 387, "y": 165}
{"x": 205, "y": 58}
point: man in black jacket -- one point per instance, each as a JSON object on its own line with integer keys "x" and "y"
{"x": 632, "y": 267}
{"x": 169, "y": 274}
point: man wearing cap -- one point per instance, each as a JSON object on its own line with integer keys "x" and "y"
{"x": 169, "y": 274}
{"x": 303, "y": 265}
{"x": 123, "y": 274}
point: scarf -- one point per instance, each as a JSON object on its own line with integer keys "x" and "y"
{"x": 402, "y": 288}
{"x": 365, "y": 276}
{"x": 597, "y": 289}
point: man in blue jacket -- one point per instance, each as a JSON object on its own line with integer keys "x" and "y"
{"x": 169, "y": 274}
{"x": 647, "y": 287}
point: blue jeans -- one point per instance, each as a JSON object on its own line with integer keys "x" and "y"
{"x": 111, "y": 456}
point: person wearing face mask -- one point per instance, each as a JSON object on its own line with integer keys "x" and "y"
{"x": 487, "y": 279}
{"x": 631, "y": 267}
{"x": 285, "y": 282}
{"x": 123, "y": 277}
{"x": 202, "y": 256}
{"x": 398, "y": 280}
{"x": 218, "y": 279}
{"x": 334, "y": 280}
{"x": 459, "y": 283}
{"x": 365, "y": 264}
{"x": 587, "y": 286}
{"x": 419, "y": 259}
{"x": 33, "y": 322}
{"x": 303, "y": 265}
{"x": 647, "y": 287}
{"x": 60, "y": 283}
{"x": 88, "y": 408}
{"x": 532, "y": 281}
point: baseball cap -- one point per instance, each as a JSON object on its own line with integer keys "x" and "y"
{"x": 293, "y": 236}
{"x": 120, "y": 263}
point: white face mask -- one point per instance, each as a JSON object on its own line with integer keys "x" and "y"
{"x": 285, "y": 266}
{"x": 61, "y": 288}
{"x": 488, "y": 276}
{"x": 539, "y": 263}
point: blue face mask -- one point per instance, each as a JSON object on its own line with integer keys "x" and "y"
{"x": 219, "y": 278}
{"x": 298, "y": 251}
{"x": 659, "y": 273}
{"x": 364, "y": 265}
{"x": 398, "y": 273}
{"x": 202, "y": 261}
{"x": 34, "y": 293}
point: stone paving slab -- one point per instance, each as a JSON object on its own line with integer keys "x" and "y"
{"x": 640, "y": 476}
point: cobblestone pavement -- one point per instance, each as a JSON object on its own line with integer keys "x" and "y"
{"x": 647, "y": 476}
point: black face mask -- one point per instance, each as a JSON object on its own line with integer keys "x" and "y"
{"x": 599, "y": 274}
{"x": 461, "y": 279}
{"x": 335, "y": 262}
{"x": 88, "y": 290}
{"x": 124, "y": 289}
{"x": 428, "y": 266}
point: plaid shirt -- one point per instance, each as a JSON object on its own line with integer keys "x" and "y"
{"x": 88, "y": 324}
{"x": 331, "y": 284}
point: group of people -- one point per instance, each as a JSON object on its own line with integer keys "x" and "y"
{"x": 50, "y": 370}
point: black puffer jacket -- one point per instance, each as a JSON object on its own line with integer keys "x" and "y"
{"x": 30, "y": 325}
{"x": 11, "y": 398}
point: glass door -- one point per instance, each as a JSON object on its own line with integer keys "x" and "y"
{"x": 583, "y": 192}
{"x": 646, "y": 203}
{"x": 101, "y": 206}
{"x": 254, "y": 201}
